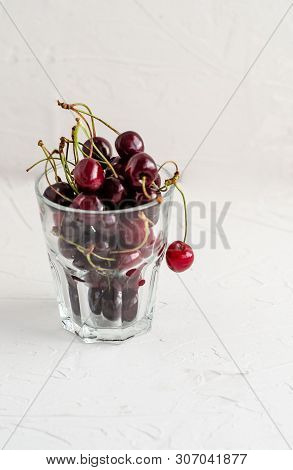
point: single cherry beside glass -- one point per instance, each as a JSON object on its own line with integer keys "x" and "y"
{"x": 179, "y": 256}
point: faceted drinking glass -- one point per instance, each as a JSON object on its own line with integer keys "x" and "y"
{"x": 105, "y": 265}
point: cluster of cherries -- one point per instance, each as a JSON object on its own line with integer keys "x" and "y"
{"x": 102, "y": 182}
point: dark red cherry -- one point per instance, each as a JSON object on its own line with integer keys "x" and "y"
{"x": 112, "y": 192}
{"x": 103, "y": 145}
{"x": 153, "y": 212}
{"x": 89, "y": 175}
{"x": 112, "y": 301}
{"x": 179, "y": 256}
{"x": 128, "y": 144}
{"x": 87, "y": 202}
{"x": 139, "y": 166}
{"x": 95, "y": 300}
{"x": 140, "y": 198}
{"x": 75, "y": 230}
{"x": 94, "y": 279}
{"x": 126, "y": 261}
{"x": 132, "y": 233}
{"x": 73, "y": 295}
{"x": 81, "y": 261}
{"x": 158, "y": 181}
{"x": 118, "y": 166}
{"x": 56, "y": 191}
{"x": 129, "y": 304}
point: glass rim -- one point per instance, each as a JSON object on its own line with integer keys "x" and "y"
{"x": 166, "y": 196}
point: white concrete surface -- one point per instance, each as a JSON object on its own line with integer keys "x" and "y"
{"x": 166, "y": 69}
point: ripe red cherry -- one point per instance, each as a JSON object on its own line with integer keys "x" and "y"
{"x": 95, "y": 300}
{"x": 88, "y": 175}
{"x": 112, "y": 192}
{"x": 118, "y": 166}
{"x": 103, "y": 145}
{"x": 129, "y": 304}
{"x": 55, "y": 192}
{"x": 128, "y": 144}
{"x": 139, "y": 166}
{"x": 126, "y": 261}
{"x": 179, "y": 256}
{"x": 140, "y": 198}
{"x": 112, "y": 301}
{"x": 152, "y": 213}
{"x": 132, "y": 233}
{"x": 158, "y": 181}
{"x": 87, "y": 202}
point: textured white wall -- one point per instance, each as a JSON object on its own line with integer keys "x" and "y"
{"x": 165, "y": 68}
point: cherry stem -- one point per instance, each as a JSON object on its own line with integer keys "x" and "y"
{"x": 89, "y": 113}
{"x": 72, "y": 108}
{"x": 87, "y": 252}
{"x": 44, "y": 160}
{"x": 144, "y": 190}
{"x": 185, "y": 211}
{"x": 50, "y": 185}
{"x": 66, "y": 169}
{"x": 74, "y": 135}
{"x": 94, "y": 117}
{"x": 89, "y": 129}
{"x": 80, "y": 148}
{"x": 99, "y": 152}
{"x": 49, "y": 159}
{"x": 89, "y": 133}
{"x": 169, "y": 161}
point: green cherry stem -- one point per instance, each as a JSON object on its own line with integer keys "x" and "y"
{"x": 75, "y": 131}
{"x": 87, "y": 253}
{"x": 185, "y": 211}
{"x": 44, "y": 160}
{"x": 49, "y": 159}
{"x": 95, "y": 117}
{"x": 169, "y": 161}
{"x": 89, "y": 113}
{"x": 67, "y": 172}
{"x": 50, "y": 185}
{"x": 143, "y": 187}
{"x": 99, "y": 152}
{"x": 81, "y": 150}
{"x": 72, "y": 108}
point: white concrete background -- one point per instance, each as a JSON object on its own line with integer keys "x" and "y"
{"x": 165, "y": 68}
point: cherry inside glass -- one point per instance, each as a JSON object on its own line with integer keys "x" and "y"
{"x": 105, "y": 264}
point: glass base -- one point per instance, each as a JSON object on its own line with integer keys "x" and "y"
{"x": 119, "y": 323}
{"x": 109, "y": 335}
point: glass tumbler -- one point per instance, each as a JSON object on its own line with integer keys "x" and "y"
{"x": 105, "y": 265}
